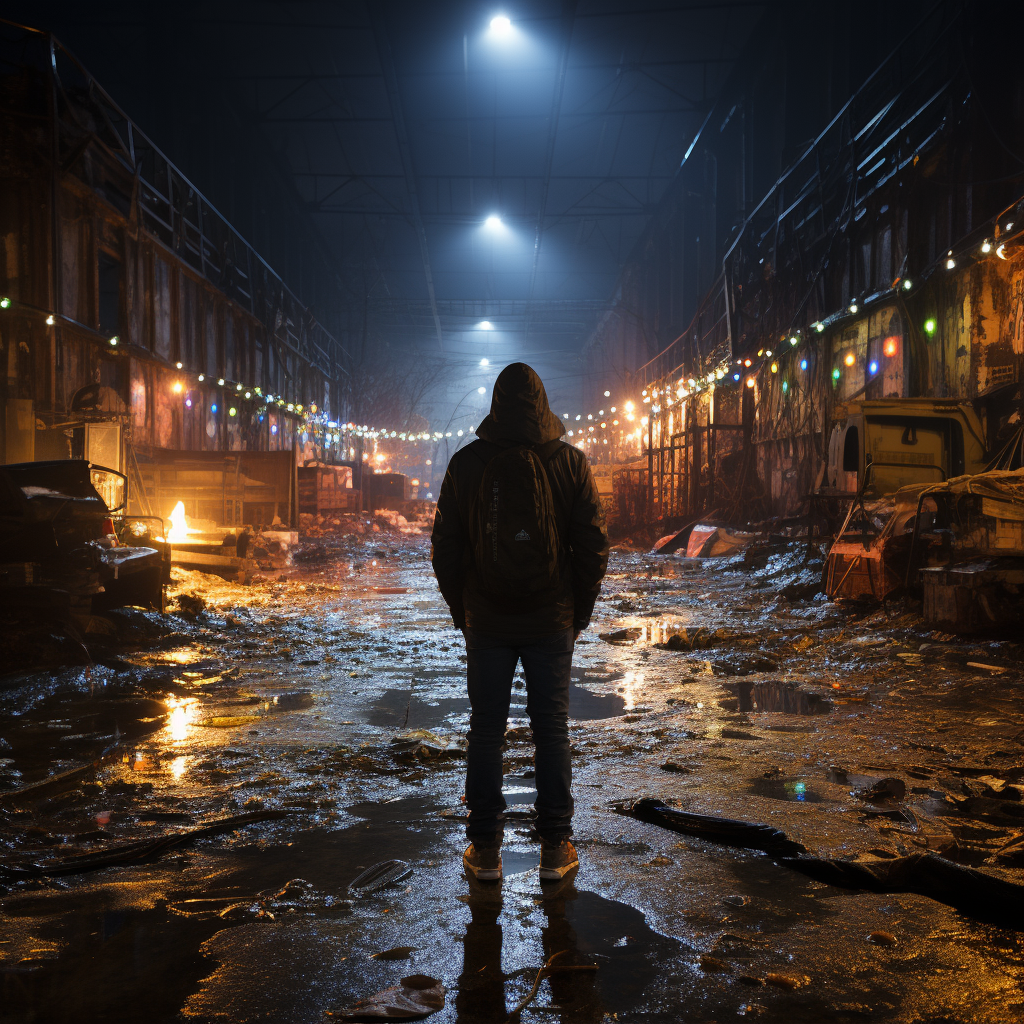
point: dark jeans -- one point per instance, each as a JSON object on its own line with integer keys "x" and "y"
{"x": 491, "y": 666}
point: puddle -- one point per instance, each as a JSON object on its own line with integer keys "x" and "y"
{"x": 397, "y": 709}
{"x": 115, "y": 952}
{"x": 519, "y": 795}
{"x": 389, "y": 710}
{"x": 780, "y": 697}
{"x": 97, "y": 975}
{"x": 581, "y": 926}
{"x": 383, "y": 813}
{"x": 587, "y": 706}
{"x": 192, "y": 655}
{"x": 294, "y": 700}
{"x": 643, "y": 632}
{"x": 785, "y": 789}
{"x": 515, "y": 862}
{"x": 77, "y": 728}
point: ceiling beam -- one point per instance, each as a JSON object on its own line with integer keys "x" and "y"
{"x": 441, "y": 217}
{"x": 630, "y": 11}
{"x": 387, "y": 63}
{"x": 610, "y": 179}
{"x": 356, "y": 76}
{"x": 565, "y": 33}
{"x": 687, "y": 108}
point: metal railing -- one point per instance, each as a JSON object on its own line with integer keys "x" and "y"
{"x": 170, "y": 208}
{"x": 701, "y": 347}
{"x": 900, "y": 110}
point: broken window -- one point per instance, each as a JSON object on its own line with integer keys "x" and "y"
{"x": 109, "y": 275}
{"x": 851, "y": 451}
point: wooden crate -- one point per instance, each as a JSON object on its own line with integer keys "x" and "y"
{"x": 327, "y": 489}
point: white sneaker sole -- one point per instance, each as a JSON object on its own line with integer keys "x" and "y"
{"x": 555, "y": 874}
{"x": 483, "y": 874}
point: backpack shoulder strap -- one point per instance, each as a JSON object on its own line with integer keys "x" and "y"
{"x": 487, "y": 450}
{"x": 484, "y": 450}
{"x": 546, "y": 452}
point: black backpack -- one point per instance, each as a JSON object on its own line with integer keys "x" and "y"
{"x": 517, "y": 547}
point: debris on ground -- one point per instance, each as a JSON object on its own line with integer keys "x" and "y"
{"x": 701, "y": 639}
{"x": 395, "y": 953}
{"x": 714, "y": 829}
{"x": 379, "y": 876}
{"x": 413, "y": 998}
{"x": 138, "y": 851}
{"x": 296, "y": 896}
{"x": 424, "y": 745}
{"x": 549, "y": 968}
{"x": 285, "y": 694}
{"x": 622, "y": 636}
{"x": 972, "y": 892}
{"x": 882, "y": 791}
{"x": 710, "y": 541}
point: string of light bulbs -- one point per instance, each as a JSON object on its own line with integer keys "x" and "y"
{"x": 659, "y": 395}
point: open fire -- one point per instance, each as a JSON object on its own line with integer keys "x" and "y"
{"x": 180, "y": 530}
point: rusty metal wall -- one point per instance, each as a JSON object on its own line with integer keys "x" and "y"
{"x": 885, "y": 262}
{"x": 150, "y": 292}
{"x": 226, "y": 488}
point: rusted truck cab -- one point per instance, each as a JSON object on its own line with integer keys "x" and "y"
{"x": 890, "y": 443}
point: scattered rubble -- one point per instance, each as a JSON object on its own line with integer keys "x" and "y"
{"x": 379, "y": 876}
{"x": 329, "y": 694}
{"x": 413, "y": 998}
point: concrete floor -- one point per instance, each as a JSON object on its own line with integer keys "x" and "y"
{"x": 289, "y": 694}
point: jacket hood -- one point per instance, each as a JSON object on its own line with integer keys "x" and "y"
{"x": 520, "y": 410}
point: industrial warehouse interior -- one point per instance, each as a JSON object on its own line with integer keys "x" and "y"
{"x": 511, "y": 511}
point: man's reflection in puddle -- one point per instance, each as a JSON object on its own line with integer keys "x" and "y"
{"x": 573, "y": 992}
{"x": 481, "y": 993}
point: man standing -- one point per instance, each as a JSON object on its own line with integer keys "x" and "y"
{"x": 519, "y": 548}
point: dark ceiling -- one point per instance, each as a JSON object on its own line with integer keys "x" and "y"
{"x": 400, "y": 127}
{"x": 407, "y": 125}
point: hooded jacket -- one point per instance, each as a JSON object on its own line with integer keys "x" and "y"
{"x": 520, "y": 415}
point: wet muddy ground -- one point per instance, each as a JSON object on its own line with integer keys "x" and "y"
{"x": 333, "y": 694}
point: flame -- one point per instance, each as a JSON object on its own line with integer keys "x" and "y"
{"x": 179, "y": 525}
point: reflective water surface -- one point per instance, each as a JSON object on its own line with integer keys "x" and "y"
{"x": 334, "y": 695}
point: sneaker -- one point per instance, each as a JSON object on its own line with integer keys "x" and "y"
{"x": 557, "y": 859}
{"x": 483, "y": 862}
